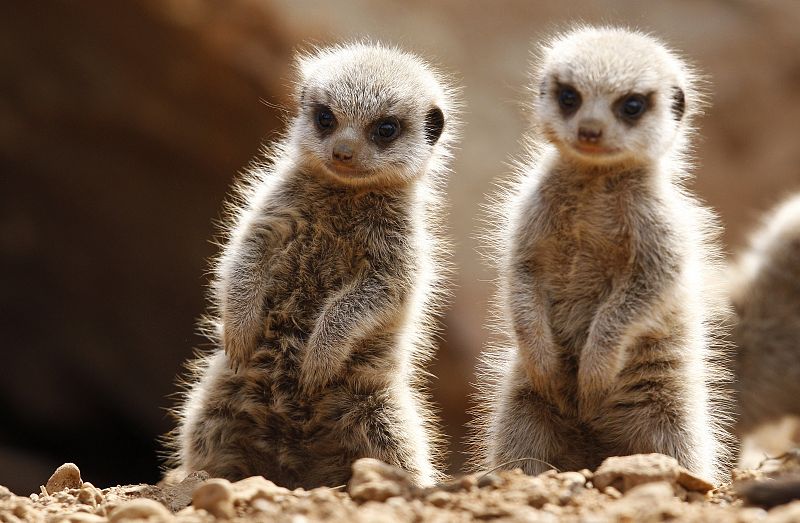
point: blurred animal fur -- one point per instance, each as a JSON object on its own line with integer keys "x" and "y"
{"x": 765, "y": 293}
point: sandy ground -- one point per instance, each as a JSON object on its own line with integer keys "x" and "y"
{"x": 634, "y": 488}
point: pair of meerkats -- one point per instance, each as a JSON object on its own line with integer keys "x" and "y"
{"x": 325, "y": 294}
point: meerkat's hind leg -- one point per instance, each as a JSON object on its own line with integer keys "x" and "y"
{"x": 644, "y": 417}
{"x": 530, "y": 433}
{"x": 378, "y": 424}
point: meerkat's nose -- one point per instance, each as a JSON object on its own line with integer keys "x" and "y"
{"x": 343, "y": 152}
{"x": 590, "y": 131}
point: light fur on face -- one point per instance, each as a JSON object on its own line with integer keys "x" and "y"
{"x": 399, "y": 86}
{"x": 605, "y": 67}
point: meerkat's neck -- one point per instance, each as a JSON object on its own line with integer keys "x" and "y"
{"x": 584, "y": 172}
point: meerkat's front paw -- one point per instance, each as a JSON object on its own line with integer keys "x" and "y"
{"x": 597, "y": 374}
{"x": 239, "y": 344}
{"x": 318, "y": 367}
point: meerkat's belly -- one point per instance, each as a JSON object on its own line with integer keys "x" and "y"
{"x": 578, "y": 272}
{"x": 303, "y": 274}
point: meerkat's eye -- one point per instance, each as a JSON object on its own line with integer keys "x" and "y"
{"x": 569, "y": 99}
{"x": 632, "y": 107}
{"x": 386, "y": 130}
{"x": 326, "y": 121}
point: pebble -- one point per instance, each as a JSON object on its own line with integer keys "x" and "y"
{"x": 140, "y": 508}
{"x": 216, "y": 497}
{"x": 258, "y": 487}
{"x": 374, "y": 480}
{"x": 89, "y": 495}
{"x": 66, "y": 476}
{"x": 626, "y": 472}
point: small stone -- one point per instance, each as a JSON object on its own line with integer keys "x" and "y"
{"x": 258, "y": 487}
{"x": 626, "y": 472}
{"x": 89, "y": 495}
{"x": 216, "y": 497}
{"x": 374, "y": 480}
{"x": 692, "y": 482}
{"x": 489, "y": 480}
{"x": 468, "y": 482}
{"x": 612, "y": 492}
{"x": 83, "y": 517}
{"x": 4, "y": 493}
{"x": 789, "y": 513}
{"x": 65, "y": 477}
{"x": 439, "y": 499}
{"x": 572, "y": 480}
{"x": 140, "y": 508}
{"x": 652, "y": 501}
{"x": 176, "y": 497}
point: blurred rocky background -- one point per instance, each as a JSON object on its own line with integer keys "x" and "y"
{"x": 123, "y": 124}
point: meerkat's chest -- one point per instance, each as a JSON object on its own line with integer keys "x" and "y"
{"x": 310, "y": 264}
{"x": 583, "y": 247}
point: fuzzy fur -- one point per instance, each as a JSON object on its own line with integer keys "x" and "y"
{"x": 607, "y": 296}
{"x": 325, "y": 293}
{"x": 765, "y": 293}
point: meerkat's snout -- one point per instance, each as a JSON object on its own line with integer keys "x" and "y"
{"x": 590, "y": 131}
{"x": 343, "y": 151}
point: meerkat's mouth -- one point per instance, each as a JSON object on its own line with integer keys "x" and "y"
{"x": 346, "y": 171}
{"x": 595, "y": 150}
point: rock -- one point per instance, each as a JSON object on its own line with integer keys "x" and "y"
{"x": 651, "y": 501}
{"x": 216, "y": 497}
{"x": 141, "y": 508}
{"x": 179, "y": 496}
{"x": 771, "y": 492}
{"x": 89, "y": 495}
{"x": 439, "y": 498}
{"x": 258, "y": 487}
{"x": 84, "y": 517}
{"x": 489, "y": 480}
{"x": 785, "y": 514}
{"x": 374, "y": 480}
{"x": 694, "y": 483}
{"x": 626, "y": 472}
{"x": 66, "y": 476}
{"x": 572, "y": 480}
{"x": 4, "y": 493}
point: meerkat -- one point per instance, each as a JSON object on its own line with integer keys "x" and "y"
{"x": 602, "y": 260}
{"x": 765, "y": 294}
{"x": 326, "y": 289}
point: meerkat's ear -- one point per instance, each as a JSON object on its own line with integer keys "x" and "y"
{"x": 434, "y": 125}
{"x": 678, "y": 103}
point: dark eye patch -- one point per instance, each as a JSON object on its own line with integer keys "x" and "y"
{"x": 324, "y": 119}
{"x": 631, "y": 107}
{"x": 568, "y": 98}
{"x": 385, "y": 130}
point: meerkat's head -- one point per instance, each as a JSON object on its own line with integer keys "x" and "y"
{"x": 370, "y": 115}
{"x": 607, "y": 96}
